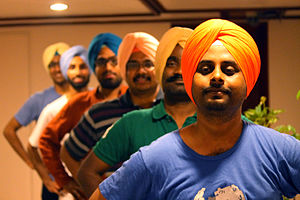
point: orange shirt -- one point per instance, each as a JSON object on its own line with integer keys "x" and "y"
{"x": 62, "y": 124}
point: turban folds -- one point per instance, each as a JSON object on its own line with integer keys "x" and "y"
{"x": 52, "y": 50}
{"x": 108, "y": 39}
{"x": 235, "y": 39}
{"x": 144, "y": 42}
{"x": 68, "y": 55}
{"x": 167, "y": 44}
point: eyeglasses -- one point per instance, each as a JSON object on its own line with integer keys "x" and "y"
{"x": 134, "y": 65}
{"x": 102, "y": 62}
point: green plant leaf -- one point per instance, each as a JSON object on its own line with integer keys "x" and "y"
{"x": 298, "y": 95}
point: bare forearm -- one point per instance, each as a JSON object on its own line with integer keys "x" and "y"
{"x": 42, "y": 170}
{"x": 72, "y": 164}
{"x": 89, "y": 181}
{"x": 10, "y": 133}
{"x": 38, "y": 163}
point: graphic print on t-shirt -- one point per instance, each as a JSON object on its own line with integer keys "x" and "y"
{"x": 231, "y": 192}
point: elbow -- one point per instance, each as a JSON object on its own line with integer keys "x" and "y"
{"x": 8, "y": 133}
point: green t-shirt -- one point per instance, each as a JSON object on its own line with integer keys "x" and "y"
{"x": 135, "y": 130}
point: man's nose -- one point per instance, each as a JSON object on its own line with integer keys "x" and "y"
{"x": 57, "y": 68}
{"x": 217, "y": 77}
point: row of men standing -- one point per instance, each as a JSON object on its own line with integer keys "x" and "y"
{"x": 93, "y": 146}
{"x": 58, "y": 109}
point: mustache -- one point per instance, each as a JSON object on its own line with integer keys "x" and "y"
{"x": 79, "y": 76}
{"x": 141, "y": 76}
{"x": 217, "y": 89}
{"x": 176, "y": 77}
{"x": 108, "y": 73}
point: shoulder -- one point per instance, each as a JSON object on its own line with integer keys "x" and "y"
{"x": 264, "y": 133}
{"x": 48, "y": 93}
{"x": 163, "y": 146}
{"x": 82, "y": 96}
{"x": 139, "y": 115}
{"x": 108, "y": 108}
{"x": 271, "y": 139}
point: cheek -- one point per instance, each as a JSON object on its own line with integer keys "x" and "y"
{"x": 197, "y": 85}
{"x": 200, "y": 81}
{"x": 151, "y": 73}
{"x": 86, "y": 72}
{"x": 129, "y": 76}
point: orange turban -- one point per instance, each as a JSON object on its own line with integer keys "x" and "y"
{"x": 144, "y": 42}
{"x": 168, "y": 42}
{"x": 234, "y": 38}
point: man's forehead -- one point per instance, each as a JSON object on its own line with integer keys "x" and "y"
{"x": 138, "y": 56}
{"x": 105, "y": 52}
{"x": 76, "y": 60}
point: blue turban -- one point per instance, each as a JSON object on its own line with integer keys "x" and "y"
{"x": 68, "y": 55}
{"x": 108, "y": 39}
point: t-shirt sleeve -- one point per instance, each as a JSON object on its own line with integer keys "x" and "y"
{"x": 29, "y": 111}
{"x": 289, "y": 166}
{"x": 131, "y": 181}
{"x": 113, "y": 147}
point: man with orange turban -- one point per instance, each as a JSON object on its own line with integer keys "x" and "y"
{"x": 220, "y": 156}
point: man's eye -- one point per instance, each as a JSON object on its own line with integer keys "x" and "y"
{"x": 204, "y": 69}
{"x": 148, "y": 64}
{"x": 83, "y": 66}
{"x": 114, "y": 61}
{"x": 172, "y": 64}
{"x": 72, "y": 67}
{"x": 229, "y": 70}
{"x": 100, "y": 61}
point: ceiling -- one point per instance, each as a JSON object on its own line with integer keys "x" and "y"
{"x": 37, "y": 12}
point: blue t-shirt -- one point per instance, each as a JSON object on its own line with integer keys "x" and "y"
{"x": 263, "y": 164}
{"x": 33, "y": 107}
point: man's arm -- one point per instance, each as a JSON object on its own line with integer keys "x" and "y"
{"x": 10, "y": 133}
{"x": 42, "y": 170}
{"x": 97, "y": 195}
{"x": 72, "y": 164}
{"x": 89, "y": 174}
{"x": 49, "y": 145}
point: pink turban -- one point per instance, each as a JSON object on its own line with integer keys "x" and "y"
{"x": 234, "y": 38}
{"x": 144, "y": 42}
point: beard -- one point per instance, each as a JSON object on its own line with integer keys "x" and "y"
{"x": 175, "y": 93}
{"x": 111, "y": 83}
{"x": 79, "y": 86}
{"x": 221, "y": 107}
{"x": 60, "y": 83}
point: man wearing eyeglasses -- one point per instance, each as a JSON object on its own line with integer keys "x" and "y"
{"x": 136, "y": 57}
{"x": 103, "y": 61}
